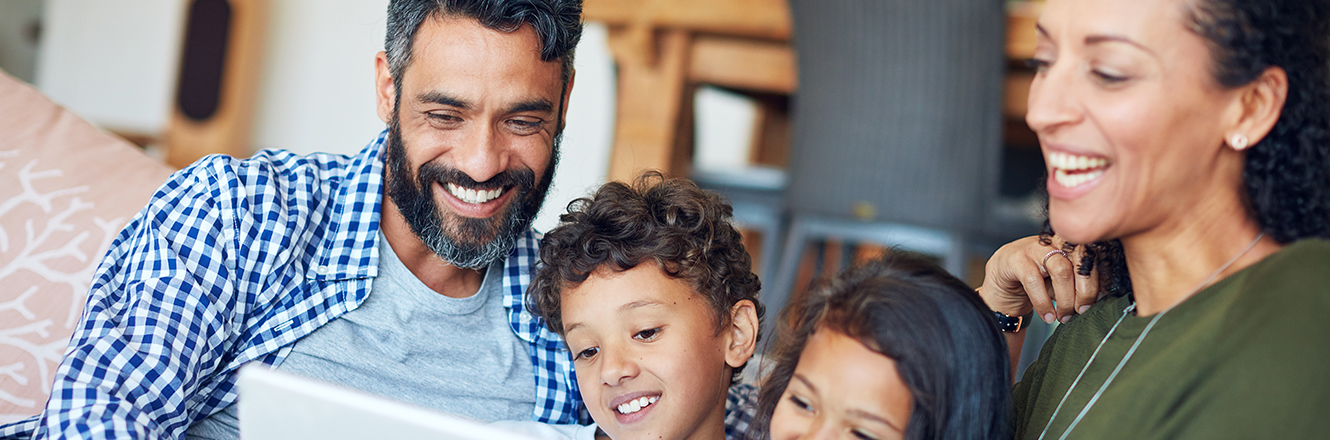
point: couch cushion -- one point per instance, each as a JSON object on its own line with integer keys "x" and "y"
{"x": 66, "y": 190}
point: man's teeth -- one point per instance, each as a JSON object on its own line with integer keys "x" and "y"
{"x": 472, "y": 196}
{"x": 1074, "y": 180}
{"x": 1072, "y": 162}
{"x": 636, "y": 405}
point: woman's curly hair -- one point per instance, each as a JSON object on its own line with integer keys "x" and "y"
{"x": 682, "y": 228}
{"x": 1287, "y": 174}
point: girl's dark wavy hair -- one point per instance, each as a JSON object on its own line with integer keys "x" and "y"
{"x": 1287, "y": 175}
{"x": 944, "y": 340}
{"x": 682, "y": 228}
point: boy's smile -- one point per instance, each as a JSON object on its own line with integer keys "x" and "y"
{"x": 649, "y": 357}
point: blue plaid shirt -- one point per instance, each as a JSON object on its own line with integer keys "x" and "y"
{"x": 231, "y": 262}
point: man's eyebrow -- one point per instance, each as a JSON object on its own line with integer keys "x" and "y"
{"x": 442, "y": 99}
{"x": 539, "y": 105}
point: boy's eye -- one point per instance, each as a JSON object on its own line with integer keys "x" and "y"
{"x": 647, "y": 335}
{"x": 588, "y": 353}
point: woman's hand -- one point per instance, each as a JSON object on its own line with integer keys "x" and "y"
{"x": 1024, "y": 275}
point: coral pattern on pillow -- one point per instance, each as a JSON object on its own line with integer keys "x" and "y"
{"x": 66, "y": 190}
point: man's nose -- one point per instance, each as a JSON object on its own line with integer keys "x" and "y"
{"x": 481, "y": 153}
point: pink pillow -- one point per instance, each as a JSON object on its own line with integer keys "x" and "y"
{"x": 66, "y": 190}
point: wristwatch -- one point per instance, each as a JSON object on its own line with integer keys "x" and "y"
{"x": 1012, "y": 324}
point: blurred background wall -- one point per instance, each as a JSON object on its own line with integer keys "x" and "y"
{"x": 117, "y": 62}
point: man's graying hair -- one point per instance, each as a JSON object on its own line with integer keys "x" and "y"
{"x": 558, "y": 24}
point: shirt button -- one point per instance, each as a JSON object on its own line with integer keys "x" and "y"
{"x": 321, "y": 270}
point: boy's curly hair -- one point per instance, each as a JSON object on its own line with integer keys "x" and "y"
{"x": 682, "y": 228}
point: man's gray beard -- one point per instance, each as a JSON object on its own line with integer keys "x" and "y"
{"x": 417, "y": 205}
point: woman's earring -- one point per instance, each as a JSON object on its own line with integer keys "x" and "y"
{"x": 1238, "y": 142}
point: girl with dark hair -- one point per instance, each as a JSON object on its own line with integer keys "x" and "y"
{"x": 1188, "y": 142}
{"x": 897, "y": 348}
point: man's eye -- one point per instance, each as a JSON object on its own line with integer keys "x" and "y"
{"x": 444, "y": 117}
{"x": 524, "y": 126}
{"x": 588, "y": 353}
{"x": 647, "y": 335}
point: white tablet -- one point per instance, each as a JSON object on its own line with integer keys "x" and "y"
{"x": 281, "y": 406}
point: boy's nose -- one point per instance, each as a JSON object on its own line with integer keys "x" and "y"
{"x": 616, "y": 367}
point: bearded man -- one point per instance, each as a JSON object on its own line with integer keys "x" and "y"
{"x": 399, "y": 270}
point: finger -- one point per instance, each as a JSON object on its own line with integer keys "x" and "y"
{"x": 1033, "y": 281}
{"x": 1062, "y": 276}
{"x": 1087, "y": 287}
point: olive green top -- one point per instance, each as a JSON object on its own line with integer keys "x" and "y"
{"x": 1248, "y": 357}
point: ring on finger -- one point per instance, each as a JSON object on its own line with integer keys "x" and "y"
{"x": 1054, "y": 252}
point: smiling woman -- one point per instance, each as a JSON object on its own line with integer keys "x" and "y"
{"x": 1189, "y": 142}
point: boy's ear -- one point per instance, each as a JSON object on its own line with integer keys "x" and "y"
{"x": 741, "y": 337}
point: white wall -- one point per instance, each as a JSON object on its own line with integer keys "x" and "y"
{"x": 114, "y": 62}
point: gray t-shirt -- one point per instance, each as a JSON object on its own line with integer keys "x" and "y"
{"x": 411, "y": 344}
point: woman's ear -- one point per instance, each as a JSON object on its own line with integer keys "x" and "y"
{"x": 1258, "y": 108}
{"x": 741, "y": 336}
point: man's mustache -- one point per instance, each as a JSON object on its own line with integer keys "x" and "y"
{"x": 523, "y": 178}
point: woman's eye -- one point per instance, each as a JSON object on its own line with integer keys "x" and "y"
{"x": 1108, "y": 78}
{"x": 588, "y": 353}
{"x": 647, "y": 335}
{"x": 1037, "y": 64}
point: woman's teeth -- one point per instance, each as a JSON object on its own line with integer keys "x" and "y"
{"x": 636, "y": 405}
{"x": 1065, "y": 166}
{"x": 1074, "y": 180}
{"x": 472, "y": 196}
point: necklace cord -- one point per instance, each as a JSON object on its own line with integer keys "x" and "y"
{"x": 1131, "y": 350}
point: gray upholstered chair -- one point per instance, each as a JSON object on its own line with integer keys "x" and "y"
{"x": 897, "y": 127}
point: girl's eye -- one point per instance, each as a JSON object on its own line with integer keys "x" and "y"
{"x": 801, "y": 403}
{"x": 588, "y": 353}
{"x": 863, "y": 435}
{"x": 647, "y": 335}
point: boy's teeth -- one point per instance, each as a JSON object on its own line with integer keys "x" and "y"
{"x": 1072, "y": 162}
{"x": 636, "y": 405}
{"x": 473, "y": 196}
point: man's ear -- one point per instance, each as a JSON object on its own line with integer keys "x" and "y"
{"x": 741, "y": 336}
{"x": 567, "y": 93}
{"x": 1258, "y": 106}
{"x": 385, "y": 90}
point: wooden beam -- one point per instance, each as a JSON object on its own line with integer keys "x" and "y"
{"x": 649, "y": 104}
{"x": 768, "y": 19}
{"x": 743, "y": 64}
{"x": 228, "y": 130}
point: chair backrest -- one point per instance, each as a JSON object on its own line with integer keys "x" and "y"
{"x": 898, "y": 110}
{"x": 66, "y": 190}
